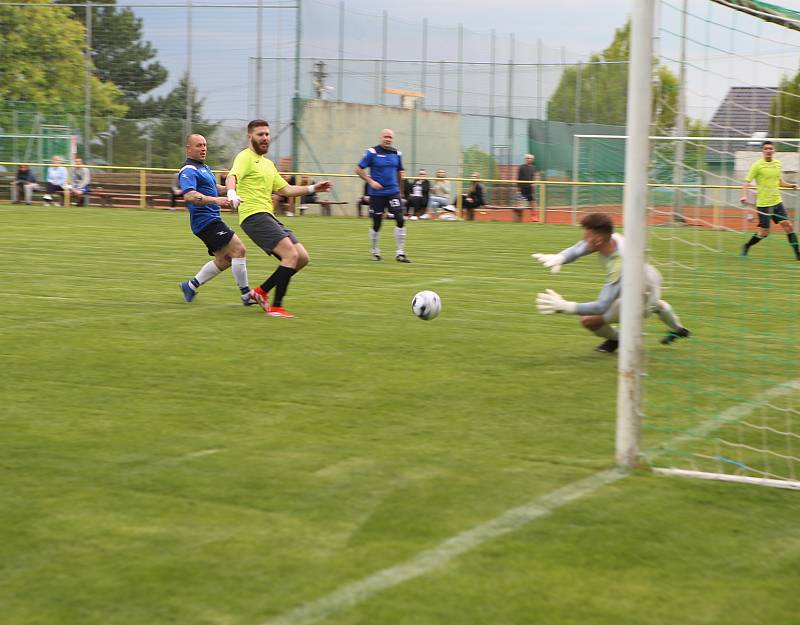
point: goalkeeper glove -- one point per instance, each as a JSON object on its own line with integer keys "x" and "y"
{"x": 552, "y": 262}
{"x": 234, "y": 199}
{"x": 551, "y": 302}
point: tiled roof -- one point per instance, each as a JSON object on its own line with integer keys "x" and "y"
{"x": 744, "y": 110}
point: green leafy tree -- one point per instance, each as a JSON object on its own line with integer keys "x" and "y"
{"x": 120, "y": 55}
{"x": 42, "y": 62}
{"x": 476, "y": 159}
{"x": 160, "y": 140}
{"x": 604, "y": 89}
{"x": 785, "y": 109}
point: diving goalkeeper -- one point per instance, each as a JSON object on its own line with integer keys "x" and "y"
{"x": 597, "y": 316}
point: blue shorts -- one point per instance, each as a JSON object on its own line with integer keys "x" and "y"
{"x": 379, "y": 204}
{"x": 215, "y": 235}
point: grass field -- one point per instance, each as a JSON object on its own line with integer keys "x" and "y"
{"x": 204, "y": 464}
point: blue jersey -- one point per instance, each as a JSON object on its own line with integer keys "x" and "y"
{"x": 197, "y": 176}
{"x": 383, "y": 163}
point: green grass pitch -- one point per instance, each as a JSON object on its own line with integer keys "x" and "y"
{"x": 203, "y": 464}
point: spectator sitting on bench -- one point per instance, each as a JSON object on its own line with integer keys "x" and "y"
{"x": 81, "y": 177}
{"x": 324, "y": 205}
{"x": 56, "y": 179}
{"x": 283, "y": 205}
{"x": 417, "y": 193}
{"x": 473, "y": 198}
{"x": 363, "y": 200}
{"x": 175, "y": 192}
{"x": 440, "y": 194}
{"x": 25, "y": 181}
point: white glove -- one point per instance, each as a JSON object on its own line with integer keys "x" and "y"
{"x": 551, "y": 302}
{"x": 552, "y": 262}
{"x": 234, "y": 199}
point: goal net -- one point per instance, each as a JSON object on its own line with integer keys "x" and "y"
{"x": 724, "y": 403}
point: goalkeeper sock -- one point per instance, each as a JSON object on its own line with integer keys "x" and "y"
{"x": 753, "y": 240}
{"x": 793, "y": 242}
{"x": 607, "y": 332}
{"x": 207, "y": 271}
{"x": 667, "y": 315}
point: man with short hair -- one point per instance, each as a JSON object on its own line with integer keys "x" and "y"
{"x": 199, "y": 187}
{"x": 252, "y": 180}
{"x": 767, "y": 176}
{"x": 81, "y": 177}
{"x": 385, "y": 164}
{"x": 24, "y": 181}
{"x": 525, "y": 173}
{"x": 596, "y": 316}
{"x": 56, "y": 179}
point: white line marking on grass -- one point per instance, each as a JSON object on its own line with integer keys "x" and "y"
{"x": 434, "y": 558}
{"x": 354, "y": 593}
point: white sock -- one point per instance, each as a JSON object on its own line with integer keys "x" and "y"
{"x": 239, "y": 269}
{"x": 400, "y": 239}
{"x": 607, "y": 332}
{"x": 208, "y": 271}
{"x": 373, "y": 239}
{"x": 667, "y": 315}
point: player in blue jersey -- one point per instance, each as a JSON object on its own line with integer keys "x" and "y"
{"x": 200, "y": 190}
{"x": 385, "y": 164}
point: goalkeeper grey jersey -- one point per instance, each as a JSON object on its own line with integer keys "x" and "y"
{"x": 612, "y": 264}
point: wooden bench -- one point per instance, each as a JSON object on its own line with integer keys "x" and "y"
{"x": 324, "y": 206}
{"x": 507, "y": 213}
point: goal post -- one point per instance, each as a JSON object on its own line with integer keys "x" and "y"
{"x": 723, "y": 402}
{"x": 631, "y": 357}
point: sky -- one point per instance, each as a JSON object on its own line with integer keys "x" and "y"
{"x": 725, "y": 48}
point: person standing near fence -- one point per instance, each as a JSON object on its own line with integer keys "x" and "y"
{"x": 525, "y": 173}
{"x": 199, "y": 188}
{"x": 767, "y": 175}
{"x": 385, "y": 164}
{"x": 252, "y": 180}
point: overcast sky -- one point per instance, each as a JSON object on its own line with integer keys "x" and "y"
{"x": 726, "y": 48}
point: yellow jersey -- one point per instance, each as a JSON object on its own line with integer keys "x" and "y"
{"x": 256, "y": 179}
{"x": 767, "y": 176}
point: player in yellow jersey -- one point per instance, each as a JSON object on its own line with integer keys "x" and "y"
{"x": 767, "y": 176}
{"x": 252, "y": 180}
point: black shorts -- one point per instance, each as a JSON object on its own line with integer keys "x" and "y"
{"x": 776, "y": 213}
{"x": 379, "y": 204}
{"x": 215, "y": 235}
{"x": 266, "y": 231}
{"x": 526, "y": 191}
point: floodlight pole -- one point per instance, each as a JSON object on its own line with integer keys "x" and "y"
{"x": 259, "y": 53}
{"x": 87, "y": 106}
{"x": 631, "y": 356}
{"x": 680, "y": 128}
{"x": 188, "y": 123}
{"x": 296, "y": 104}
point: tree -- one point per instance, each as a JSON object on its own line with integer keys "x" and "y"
{"x": 119, "y": 54}
{"x": 476, "y": 159}
{"x": 161, "y": 138}
{"x": 603, "y": 86}
{"x": 785, "y": 108}
{"x": 42, "y": 62}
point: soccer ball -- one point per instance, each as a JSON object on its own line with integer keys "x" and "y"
{"x": 426, "y": 305}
